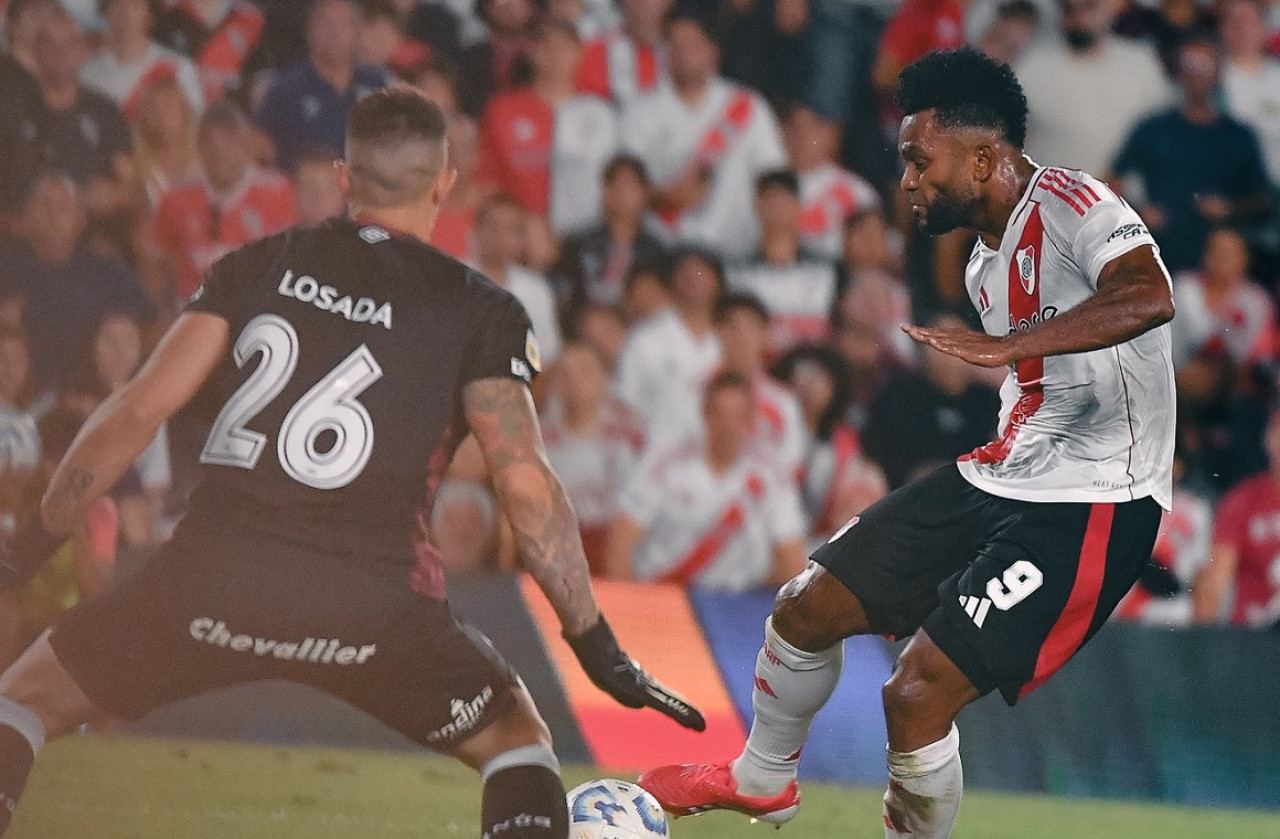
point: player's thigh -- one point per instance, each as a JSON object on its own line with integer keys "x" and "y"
{"x": 1040, "y": 587}
{"x": 432, "y": 678}
{"x": 894, "y": 555}
{"x": 136, "y": 648}
{"x": 39, "y": 682}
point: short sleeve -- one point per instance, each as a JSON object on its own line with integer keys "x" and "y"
{"x": 1230, "y": 524}
{"x": 503, "y": 344}
{"x": 1100, "y": 231}
{"x": 216, "y": 295}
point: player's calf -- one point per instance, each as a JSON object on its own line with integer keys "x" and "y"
{"x": 21, "y": 736}
{"x": 524, "y": 797}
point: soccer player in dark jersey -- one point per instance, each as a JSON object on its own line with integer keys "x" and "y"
{"x": 342, "y": 356}
{"x": 1000, "y": 566}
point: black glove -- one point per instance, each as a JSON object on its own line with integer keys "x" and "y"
{"x": 618, "y": 675}
{"x": 26, "y": 552}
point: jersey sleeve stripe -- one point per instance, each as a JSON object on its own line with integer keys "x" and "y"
{"x": 1052, "y": 188}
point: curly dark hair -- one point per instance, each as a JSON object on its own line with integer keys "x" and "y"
{"x": 966, "y": 88}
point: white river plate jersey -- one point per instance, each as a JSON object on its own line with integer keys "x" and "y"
{"x": 1086, "y": 427}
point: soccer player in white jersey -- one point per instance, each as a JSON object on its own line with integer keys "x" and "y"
{"x": 1000, "y": 567}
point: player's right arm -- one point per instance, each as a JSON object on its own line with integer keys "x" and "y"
{"x": 114, "y": 436}
{"x": 501, "y": 415}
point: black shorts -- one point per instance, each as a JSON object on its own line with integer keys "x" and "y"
{"x": 209, "y": 612}
{"x": 1008, "y": 590}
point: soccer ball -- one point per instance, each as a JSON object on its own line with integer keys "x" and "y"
{"x": 609, "y": 809}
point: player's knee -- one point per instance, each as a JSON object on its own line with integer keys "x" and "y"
{"x": 804, "y": 616}
{"x": 917, "y": 691}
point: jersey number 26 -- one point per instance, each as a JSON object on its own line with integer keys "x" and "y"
{"x": 330, "y": 406}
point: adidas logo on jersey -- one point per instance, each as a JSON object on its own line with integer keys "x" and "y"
{"x": 328, "y": 299}
{"x": 976, "y": 608}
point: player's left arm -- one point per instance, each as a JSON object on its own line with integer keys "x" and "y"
{"x": 501, "y": 415}
{"x": 114, "y": 436}
{"x": 1133, "y": 297}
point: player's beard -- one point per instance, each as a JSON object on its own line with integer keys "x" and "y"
{"x": 945, "y": 215}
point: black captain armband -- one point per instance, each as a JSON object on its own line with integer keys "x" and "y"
{"x": 26, "y": 552}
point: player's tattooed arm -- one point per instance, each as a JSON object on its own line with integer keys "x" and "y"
{"x": 118, "y": 431}
{"x": 501, "y": 415}
{"x": 1133, "y": 297}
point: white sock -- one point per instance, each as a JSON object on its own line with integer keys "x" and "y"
{"x": 791, "y": 687}
{"x": 924, "y": 790}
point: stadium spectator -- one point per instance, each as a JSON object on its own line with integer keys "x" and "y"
{"x": 1078, "y": 116}
{"x": 438, "y": 81}
{"x": 742, "y": 325}
{"x": 307, "y": 104}
{"x": 384, "y": 41}
{"x": 703, "y": 140}
{"x": 113, "y": 355}
{"x": 620, "y": 65}
{"x": 23, "y": 21}
{"x": 1246, "y": 543}
{"x": 1220, "y": 309}
{"x": 82, "y": 568}
{"x": 75, "y": 130}
{"x": 646, "y": 292}
{"x": 19, "y": 97}
{"x": 829, "y": 194}
{"x": 499, "y": 62}
{"x": 164, "y": 131}
{"x": 837, "y": 481}
{"x": 19, "y": 438}
{"x": 1162, "y": 595}
{"x": 66, "y": 286}
{"x": 455, "y": 225}
{"x": 317, "y": 192}
{"x": 129, "y": 59}
{"x": 917, "y": 27}
{"x": 541, "y": 245}
{"x": 546, "y": 144}
{"x": 1167, "y": 25}
{"x": 593, "y": 442}
{"x": 597, "y": 261}
{"x": 219, "y": 35}
{"x": 797, "y": 288}
{"x": 601, "y": 328}
{"x": 669, "y": 358}
{"x": 1197, "y": 166}
{"x": 234, "y": 203}
{"x": 711, "y": 515}
{"x": 1011, "y": 31}
{"x": 924, "y": 420}
{"x": 501, "y": 240}
{"x": 874, "y": 295}
{"x": 764, "y": 45}
{"x": 1251, "y": 78}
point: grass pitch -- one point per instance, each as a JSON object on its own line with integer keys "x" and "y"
{"x": 126, "y": 788}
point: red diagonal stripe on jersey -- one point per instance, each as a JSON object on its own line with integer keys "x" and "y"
{"x": 1075, "y": 187}
{"x": 1024, "y": 308}
{"x": 1071, "y": 202}
{"x": 1072, "y": 625}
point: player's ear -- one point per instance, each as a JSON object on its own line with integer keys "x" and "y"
{"x": 984, "y": 162}
{"x": 344, "y": 179}
{"x": 444, "y": 184}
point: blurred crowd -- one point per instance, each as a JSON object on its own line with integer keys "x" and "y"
{"x": 695, "y": 200}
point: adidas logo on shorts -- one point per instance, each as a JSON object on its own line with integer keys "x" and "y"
{"x": 976, "y": 608}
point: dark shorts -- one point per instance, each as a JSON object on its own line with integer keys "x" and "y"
{"x": 210, "y": 612}
{"x": 1008, "y": 590}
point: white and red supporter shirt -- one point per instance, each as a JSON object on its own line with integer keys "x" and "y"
{"x": 828, "y": 196}
{"x": 1182, "y": 547}
{"x": 123, "y": 82}
{"x": 593, "y": 468}
{"x": 799, "y": 298}
{"x": 732, "y": 131}
{"x": 707, "y": 530}
{"x": 1243, "y": 325}
{"x": 1091, "y": 427}
{"x": 550, "y": 157}
{"x": 1249, "y": 520}
{"x": 780, "y": 436}
{"x": 661, "y": 373}
{"x": 195, "y": 229}
{"x": 618, "y": 68}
